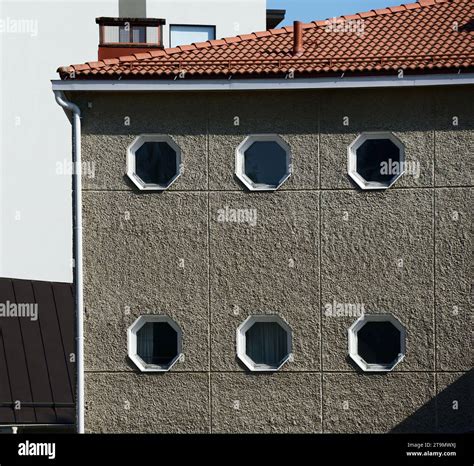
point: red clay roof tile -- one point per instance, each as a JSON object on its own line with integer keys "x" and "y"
{"x": 184, "y": 48}
{"x": 247, "y": 36}
{"x": 231, "y": 40}
{"x": 396, "y": 9}
{"x": 157, "y": 53}
{"x": 351, "y": 17}
{"x": 416, "y": 36}
{"x": 218, "y": 42}
{"x": 412, "y": 6}
{"x": 142, "y": 55}
{"x": 95, "y": 64}
{"x": 83, "y": 67}
{"x": 127, "y": 58}
{"x": 111, "y": 61}
{"x": 367, "y": 14}
{"x": 199, "y": 45}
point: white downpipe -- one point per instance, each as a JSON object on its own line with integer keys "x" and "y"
{"x": 77, "y": 246}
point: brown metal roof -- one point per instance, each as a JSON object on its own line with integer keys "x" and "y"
{"x": 35, "y": 367}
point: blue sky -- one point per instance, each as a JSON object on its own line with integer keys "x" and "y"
{"x": 310, "y": 10}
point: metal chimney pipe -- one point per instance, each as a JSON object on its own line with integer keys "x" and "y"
{"x": 298, "y": 48}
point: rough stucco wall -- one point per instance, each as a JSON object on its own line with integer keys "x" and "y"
{"x": 453, "y": 278}
{"x": 266, "y": 403}
{"x": 408, "y": 113}
{"x": 364, "y": 238}
{"x": 453, "y": 151}
{"x": 269, "y": 268}
{"x": 132, "y": 260}
{"x": 317, "y": 240}
{"x": 358, "y": 403}
{"x": 117, "y": 402}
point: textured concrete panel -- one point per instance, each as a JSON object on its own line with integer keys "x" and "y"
{"x": 266, "y": 403}
{"x": 377, "y": 251}
{"x": 293, "y": 116}
{"x": 106, "y": 135}
{"x": 271, "y": 267}
{"x": 454, "y": 137}
{"x": 408, "y": 113}
{"x": 378, "y": 403}
{"x": 453, "y": 279}
{"x": 147, "y": 403}
{"x": 455, "y": 402}
{"x": 144, "y": 254}
{"x": 149, "y": 254}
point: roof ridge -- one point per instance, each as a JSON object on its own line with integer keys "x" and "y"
{"x": 253, "y": 35}
{"x": 387, "y": 10}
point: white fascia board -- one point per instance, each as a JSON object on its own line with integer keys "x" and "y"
{"x": 262, "y": 84}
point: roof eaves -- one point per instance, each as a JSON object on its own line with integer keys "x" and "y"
{"x": 249, "y": 37}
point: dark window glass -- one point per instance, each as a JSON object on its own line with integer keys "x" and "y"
{"x": 266, "y": 163}
{"x": 157, "y": 343}
{"x": 124, "y": 34}
{"x": 372, "y": 157}
{"x": 378, "y": 342}
{"x": 138, "y": 34}
{"x": 266, "y": 343}
{"x": 155, "y": 163}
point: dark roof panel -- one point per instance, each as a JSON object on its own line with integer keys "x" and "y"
{"x": 36, "y": 374}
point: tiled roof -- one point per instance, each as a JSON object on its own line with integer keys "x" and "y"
{"x": 422, "y": 37}
{"x": 35, "y": 363}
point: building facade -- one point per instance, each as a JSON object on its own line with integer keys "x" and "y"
{"x": 315, "y": 242}
{"x": 248, "y": 265}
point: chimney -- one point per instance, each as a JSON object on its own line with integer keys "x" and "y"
{"x": 124, "y": 36}
{"x": 298, "y": 48}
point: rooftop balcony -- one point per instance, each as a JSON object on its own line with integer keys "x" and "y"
{"x": 122, "y": 36}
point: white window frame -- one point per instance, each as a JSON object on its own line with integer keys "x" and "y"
{"x": 352, "y": 159}
{"x": 132, "y": 343}
{"x": 242, "y": 342}
{"x": 131, "y": 161}
{"x": 353, "y": 342}
{"x": 240, "y": 161}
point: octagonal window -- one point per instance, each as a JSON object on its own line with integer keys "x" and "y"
{"x": 376, "y": 160}
{"x": 154, "y": 343}
{"x": 263, "y": 162}
{"x": 264, "y": 342}
{"x": 377, "y": 342}
{"x": 153, "y": 162}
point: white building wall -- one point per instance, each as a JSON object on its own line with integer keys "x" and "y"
{"x": 231, "y": 17}
{"x": 35, "y": 209}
